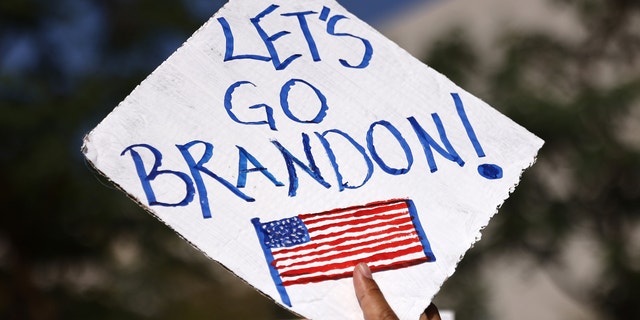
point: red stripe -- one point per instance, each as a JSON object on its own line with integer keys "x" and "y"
{"x": 349, "y": 212}
{"x": 314, "y": 243}
{"x": 346, "y": 264}
{"x": 390, "y": 224}
{"x": 348, "y": 274}
{"x": 351, "y": 250}
{"x": 354, "y": 222}
{"x": 343, "y": 249}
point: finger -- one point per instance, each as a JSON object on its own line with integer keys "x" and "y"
{"x": 431, "y": 313}
{"x": 371, "y": 300}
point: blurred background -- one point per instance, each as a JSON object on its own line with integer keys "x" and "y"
{"x": 566, "y": 245}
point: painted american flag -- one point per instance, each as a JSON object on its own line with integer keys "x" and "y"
{"x": 316, "y": 247}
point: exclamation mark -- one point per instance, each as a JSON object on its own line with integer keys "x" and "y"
{"x": 488, "y": 170}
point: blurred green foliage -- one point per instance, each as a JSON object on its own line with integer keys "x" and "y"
{"x": 73, "y": 247}
{"x": 582, "y": 96}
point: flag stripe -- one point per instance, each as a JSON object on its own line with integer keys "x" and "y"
{"x": 364, "y": 256}
{"x": 351, "y": 262}
{"x": 356, "y": 221}
{"x": 355, "y": 233}
{"x": 376, "y": 265}
{"x": 362, "y": 228}
{"x": 382, "y": 231}
{"x": 351, "y": 212}
{"x": 364, "y": 253}
{"x": 336, "y": 245}
{"x": 348, "y": 272}
{"x": 347, "y": 250}
{"x": 330, "y": 241}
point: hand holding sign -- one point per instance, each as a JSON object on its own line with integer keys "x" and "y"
{"x": 373, "y": 303}
{"x": 289, "y": 141}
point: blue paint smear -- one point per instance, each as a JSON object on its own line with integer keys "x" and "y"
{"x": 415, "y": 219}
{"x": 284, "y": 296}
{"x": 490, "y": 171}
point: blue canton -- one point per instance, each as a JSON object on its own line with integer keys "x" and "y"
{"x": 287, "y": 232}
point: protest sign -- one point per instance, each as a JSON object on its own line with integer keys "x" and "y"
{"x": 289, "y": 141}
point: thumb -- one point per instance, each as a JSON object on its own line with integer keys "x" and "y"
{"x": 371, "y": 300}
{"x": 431, "y": 313}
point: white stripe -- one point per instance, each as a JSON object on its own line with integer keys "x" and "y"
{"x": 380, "y": 263}
{"x": 380, "y": 223}
{"x": 310, "y": 222}
{"x": 364, "y": 238}
{"x": 285, "y": 262}
{"x": 355, "y": 257}
{"x": 348, "y": 211}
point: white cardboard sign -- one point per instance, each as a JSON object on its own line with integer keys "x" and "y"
{"x": 288, "y": 140}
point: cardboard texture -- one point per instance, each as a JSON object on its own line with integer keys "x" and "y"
{"x": 288, "y": 141}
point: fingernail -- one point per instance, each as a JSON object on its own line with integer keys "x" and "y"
{"x": 364, "y": 269}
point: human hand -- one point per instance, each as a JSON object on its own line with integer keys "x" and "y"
{"x": 372, "y": 302}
